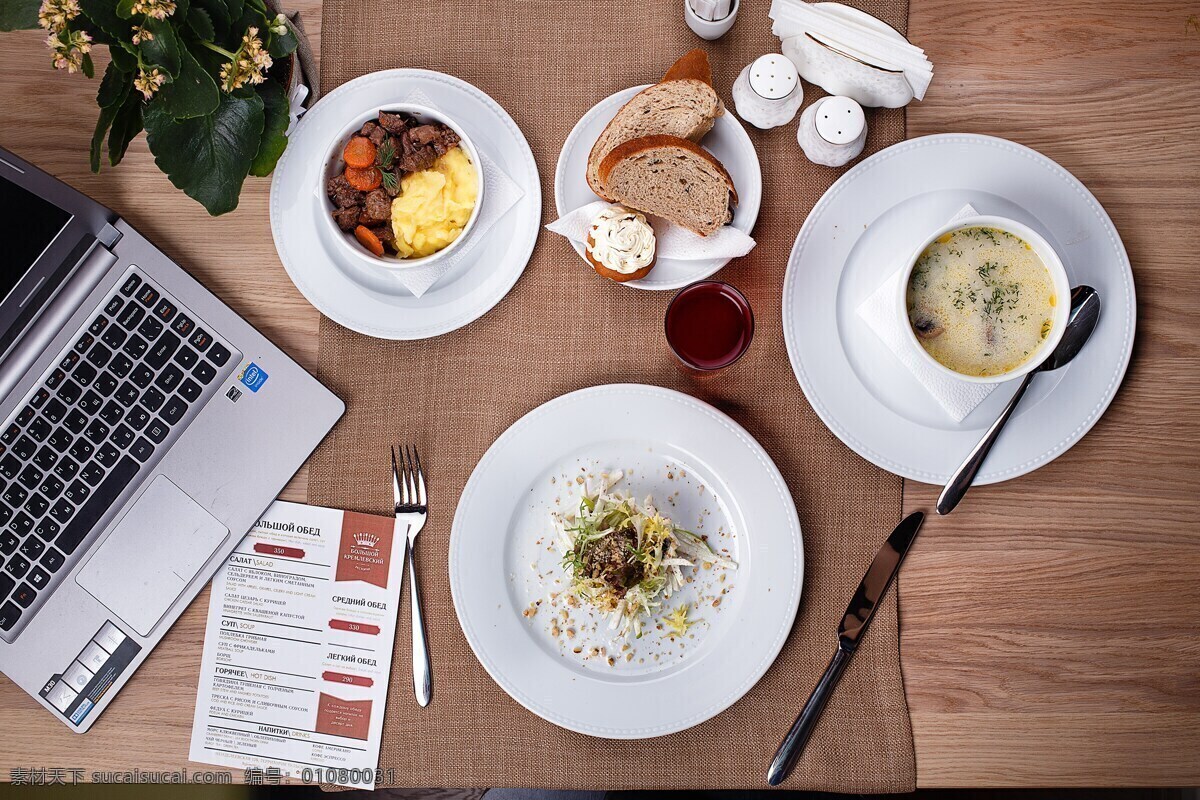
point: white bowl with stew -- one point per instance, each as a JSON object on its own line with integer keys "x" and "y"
{"x": 334, "y": 164}
{"x": 984, "y": 299}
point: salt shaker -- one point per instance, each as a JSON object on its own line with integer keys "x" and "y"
{"x": 768, "y": 93}
{"x": 832, "y": 131}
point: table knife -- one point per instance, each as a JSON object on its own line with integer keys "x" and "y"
{"x": 854, "y": 624}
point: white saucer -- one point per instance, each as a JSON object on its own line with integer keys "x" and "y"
{"x": 727, "y": 141}
{"x": 345, "y": 291}
{"x": 879, "y": 211}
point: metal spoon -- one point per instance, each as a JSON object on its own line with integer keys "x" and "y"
{"x": 1085, "y": 312}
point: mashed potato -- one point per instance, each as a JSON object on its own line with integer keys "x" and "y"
{"x": 434, "y": 205}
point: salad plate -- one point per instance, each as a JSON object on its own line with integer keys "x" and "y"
{"x": 852, "y": 241}
{"x": 362, "y": 299}
{"x": 551, "y": 649}
{"x": 728, "y": 141}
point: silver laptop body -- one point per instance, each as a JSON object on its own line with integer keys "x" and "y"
{"x": 144, "y": 427}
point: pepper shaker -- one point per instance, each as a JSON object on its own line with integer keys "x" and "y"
{"x": 832, "y": 131}
{"x": 768, "y": 93}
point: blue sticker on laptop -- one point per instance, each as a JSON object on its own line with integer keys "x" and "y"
{"x": 253, "y": 377}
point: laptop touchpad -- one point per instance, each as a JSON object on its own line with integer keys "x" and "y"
{"x": 152, "y": 555}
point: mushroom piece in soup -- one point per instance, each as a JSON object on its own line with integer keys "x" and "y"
{"x": 981, "y": 301}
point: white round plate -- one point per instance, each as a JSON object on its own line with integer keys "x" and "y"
{"x": 704, "y": 472}
{"x": 727, "y": 141}
{"x": 855, "y": 237}
{"x": 353, "y": 295}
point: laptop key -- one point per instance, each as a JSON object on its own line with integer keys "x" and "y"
{"x": 10, "y": 433}
{"x": 84, "y": 342}
{"x": 142, "y": 375}
{"x": 97, "y": 431}
{"x": 39, "y": 429}
{"x": 90, "y": 402}
{"x": 183, "y": 325}
{"x": 204, "y": 372}
{"x": 24, "y": 447}
{"x": 186, "y": 357}
{"x": 47, "y": 529}
{"x": 37, "y": 505}
{"x": 15, "y": 495}
{"x": 26, "y": 416}
{"x": 54, "y": 411}
{"x": 56, "y": 377}
{"x": 69, "y": 361}
{"x": 148, "y": 296}
{"x": 99, "y": 355}
{"x": 39, "y": 398}
{"x": 91, "y": 474}
{"x": 76, "y": 421}
{"x": 107, "y": 455}
{"x": 69, "y": 392}
{"x": 219, "y": 354}
{"x": 137, "y": 418}
{"x": 45, "y": 457}
{"x": 98, "y": 325}
{"x": 169, "y": 378}
{"x": 150, "y": 328}
{"x": 21, "y": 524}
{"x": 66, "y": 470}
{"x": 112, "y": 412}
{"x": 10, "y": 465}
{"x": 142, "y": 449}
{"x": 8, "y": 542}
{"x": 60, "y": 440}
{"x": 32, "y": 548}
{"x": 7, "y": 584}
{"x": 131, "y": 284}
{"x": 78, "y": 492}
{"x": 30, "y": 477}
{"x": 136, "y": 347}
{"x": 51, "y": 487}
{"x": 9, "y": 614}
{"x": 200, "y": 339}
{"x": 84, "y": 374}
{"x": 190, "y": 390}
{"x": 114, "y": 305}
{"x": 105, "y": 385}
{"x": 53, "y": 559}
{"x": 130, "y": 316}
{"x": 122, "y": 437}
{"x": 162, "y": 350}
{"x": 114, "y": 337}
{"x": 24, "y": 595}
{"x": 174, "y": 410}
{"x": 103, "y": 498}
{"x": 38, "y": 578}
{"x": 62, "y": 511}
{"x": 157, "y": 431}
{"x": 165, "y": 310}
{"x": 127, "y": 394}
{"x": 17, "y": 566}
{"x": 153, "y": 399}
{"x": 82, "y": 450}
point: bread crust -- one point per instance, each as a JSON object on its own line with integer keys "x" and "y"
{"x": 691, "y": 66}
{"x": 634, "y": 146}
{"x": 612, "y": 274}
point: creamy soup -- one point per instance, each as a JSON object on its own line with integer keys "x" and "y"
{"x": 981, "y": 301}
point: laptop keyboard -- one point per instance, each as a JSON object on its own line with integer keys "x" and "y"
{"x": 118, "y": 395}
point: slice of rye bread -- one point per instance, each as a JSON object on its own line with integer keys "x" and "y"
{"x": 672, "y": 178}
{"x": 682, "y": 104}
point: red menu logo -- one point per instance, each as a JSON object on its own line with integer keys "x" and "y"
{"x": 365, "y": 551}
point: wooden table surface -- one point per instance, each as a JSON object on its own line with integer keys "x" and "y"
{"x": 1050, "y": 629}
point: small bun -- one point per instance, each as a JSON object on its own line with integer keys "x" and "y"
{"x": 611, "y": 274}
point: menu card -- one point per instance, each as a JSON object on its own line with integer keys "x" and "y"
{"x": 299, "y": 645}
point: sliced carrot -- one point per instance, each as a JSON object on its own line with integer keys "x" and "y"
{"x": 368, "y": 239}
{"x": 360, "y": 152}
{"x": 365, "y": 180}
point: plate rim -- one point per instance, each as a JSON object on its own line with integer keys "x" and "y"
{"x": 788, "y": 310}
{"x": 522, "y": 251}
{"x": 727, "y": 699}
{"x": 577, "y": 132}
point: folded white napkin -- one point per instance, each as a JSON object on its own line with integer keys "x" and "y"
{"x": 796, "y": 17}
{"x": 671, "y": 241}
{"x": 500, "y": 193}
{"x": 958, "y": 398}
{"x": 711, "y": 10}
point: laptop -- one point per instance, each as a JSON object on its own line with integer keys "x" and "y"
{"x": 144, "y": 427}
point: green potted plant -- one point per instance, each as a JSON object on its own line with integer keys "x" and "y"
{"x": 204, "y": 78}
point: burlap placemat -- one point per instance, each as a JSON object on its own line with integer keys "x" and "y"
{"x": 562, "y": 328}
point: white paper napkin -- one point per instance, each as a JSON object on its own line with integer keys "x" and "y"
{"x": 500, "y": 193}
{"x": 672, "y": 241}
{"x": 958, "y": 398}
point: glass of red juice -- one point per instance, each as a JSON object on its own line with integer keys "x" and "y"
{"x": 709, "y": 325}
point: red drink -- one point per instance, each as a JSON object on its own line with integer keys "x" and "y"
{"x": 709, "y": 325}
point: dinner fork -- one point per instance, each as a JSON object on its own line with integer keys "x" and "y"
{"x": 408, "y": 490}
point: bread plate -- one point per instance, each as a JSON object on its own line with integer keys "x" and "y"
{"x": 727, "y": 141}
{"x": 705, "y": 472}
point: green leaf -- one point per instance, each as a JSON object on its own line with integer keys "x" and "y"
{"x": 103, "y": 15}
{"x": 274, "y": 141}
{"x": 87, "y": 66}
{"x": 193, "y": 93}
{"x": 126, "y": 125}
{"x": 114, "y": 88}
{"x": 208, "y": 157}
{"x": 18, "y": 15}
{"x": 235, "y": 11}
{"x": 163, "y": 49}
{"x": 125, "y": 9}
{"x": 282, "y": 45}
{"x": 200, "y": 21}
{"x": 218, "y": 12}
{"x": 122, "y": 56}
